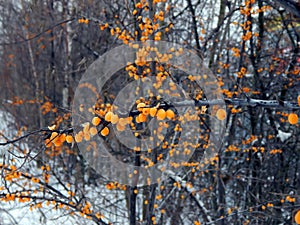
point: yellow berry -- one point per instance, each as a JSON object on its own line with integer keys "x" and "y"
{"x": 52, "y": 127}
{"x": 221, "y": 114}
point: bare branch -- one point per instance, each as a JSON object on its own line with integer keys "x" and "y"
{"x": 290, "y": 6}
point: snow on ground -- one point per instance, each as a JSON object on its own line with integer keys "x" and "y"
{"x": 16, "y": 213}
{"x": 13, "y": 213}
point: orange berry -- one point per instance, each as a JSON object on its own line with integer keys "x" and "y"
{"x": 298, "y": 100}
{"x": 86, "y": 127}
{"x": 62, "y": 137}
{"x": 59, "y": 140}
{"x": 93, "y": 131}
{"x": 142, "y": 117}
{"x": 153, "y": 111}
{"x": 101, "y": 112}
{"x": 297, "y": 217}
{"x": 137, "y": 119}
{"x": 129, "y": 119}
{"x": 293, "y": 118}
{"x": 108, "y": 116}
{"x": 122, "y": 121}
{"x": 105, "y": 131}
{"x": 120, "y": 127}
{"x": 221, "y": 114}
{"x": 146, "y": 111}
{"x": 161, "y": 114}
{"x": 69, "y": 139}
{"x": 54, "y": 135}
{"x": 140, "y": 106}
{"x": 78, "y": 137}
{"x": 96, "y": 121}
{"x": 48, "y": 143}
{"x": 87, "y": 136}
{"x": 170, "y": 114}
{"x": 139, "y": 5}
{"x": 114, "y": 118}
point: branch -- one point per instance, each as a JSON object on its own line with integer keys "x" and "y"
{"x": 39, "y": 34}
{"x": 57, "y": 196}
{"x": 194, "y": 26}
{"x": 192, "y": 191}
{"x": 22, "y": 137}
{"x": 33, "y": 133}
{"x": 250, "y": 102}
{"x": 10, "y": 215}
{"x": 217, "y": 29}
{"x": 290, "y": 6}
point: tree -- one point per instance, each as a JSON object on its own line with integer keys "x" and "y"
{"x": 252, "y": 49}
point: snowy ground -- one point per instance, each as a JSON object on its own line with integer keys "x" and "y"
{"x": 14, "y": 212}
